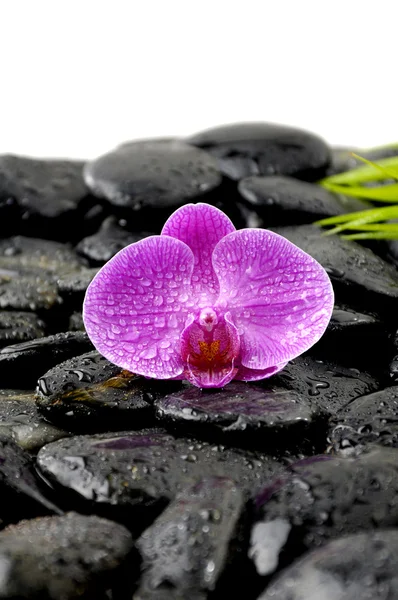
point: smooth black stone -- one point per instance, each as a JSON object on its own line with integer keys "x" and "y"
{"x": 343, "y": 160}
{"x": 131, "y": 476}
{"x": 111, "y": 237}
{"x": 245, "y": 149}
{"x": 285, "y": 201}
{"x": 89, "y": 393}
{"x": 324, "y": 498}
{"x": 22, "y": 493}
{"x": 393, "y": 359}
{"x": 48, "y": 192}
{"x": 22, "y": 364}
{"x": 72, "y": 287}
{"x": 29, "y": 268}
{"x": 368, "y": 419}
{"x": 153, "y": 173}
{"x": 277, "y": 418}
{"x": 323, "y": 383}
{"x": 62, "y": 558}
{"x": 10, "y": 217}
{"x": 359, "y": 277}
{"x": 362, "y": 566}
{"x": 351, "y": 336}
{"x": 188, "y": 546}
{"x": 19, "y": 327}
{"x": 20, "y": 419}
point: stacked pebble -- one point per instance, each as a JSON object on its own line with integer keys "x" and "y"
{"x": 116, "y": 486}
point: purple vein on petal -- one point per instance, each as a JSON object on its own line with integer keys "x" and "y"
{"x": 201, "y": 227}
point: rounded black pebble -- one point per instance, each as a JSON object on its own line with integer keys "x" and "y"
{"x": 62, "y": 558}
{"x": 245, "y": 149}
{"x": 153, "y": 173}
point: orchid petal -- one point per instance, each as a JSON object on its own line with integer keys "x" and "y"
{"x": 136, "y": 306}
{"x": 279, "y": 297}
{"x": 245, "y": 374}
{"x": 201, "y": 227}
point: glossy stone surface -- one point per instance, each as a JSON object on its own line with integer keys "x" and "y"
{"x": 265, "y": 417}
{"x": 29, "y": 268}
{"x": 187, "y": 546}
{"x": 20, "y": 419}
{"x": 109, "y": 239}
{"x": 370, "y": 419}
{"x": 153, "y": 173}
{"x": 324, "y": 498}
{"x": 22, "y": 492}
{"x": 357, "y": 566}
{"x": 284, "y": 200}
{"x": 131, "y": 476}
{"x": 359, "y": 276}
{"x": 22, "y": 364}
{"x": 90, "y": 393}
{"x": 19, "y": 327}
{"x": 244, "y": 149}
{"x": 61, "y": 558}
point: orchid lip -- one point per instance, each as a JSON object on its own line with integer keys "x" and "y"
{"x": 206, "y": 302}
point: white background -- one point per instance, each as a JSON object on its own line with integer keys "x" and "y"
{"x": 77, "y": 77}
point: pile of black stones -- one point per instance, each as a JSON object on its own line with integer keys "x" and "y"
{"x": 113, "y": 486}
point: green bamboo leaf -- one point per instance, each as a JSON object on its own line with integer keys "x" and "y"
{"x": 369, "y": 216}
{"x": 363, "y": 174}
{"x": 390, "y": 227}
{"x": 384, "y": 193}
{"x": 377, "y": 235}
{"x": 386, "y": 172}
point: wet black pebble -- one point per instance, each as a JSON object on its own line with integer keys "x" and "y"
{"x": 244, "y": 149}
{"x": 21, "y": 420}
{"x": 47, "y": 192}
{"x": 246, "y": 413}
{"x": 22, "y": 492}
{"x": 62, "y": 558}
{"x": 322, "y": 498}
{"x": 284, "y": 200}
{"x": 19, "y": 327}
{"x": 132, "y": 475}
{"x": 91, "y": 394}
{"x": 111, "y": 237}
{"x": 22, "y": 364}
{"x": 361, "y": 566}
{"x": 368, "y": 419}
{"x": 191, "y": 543}
{"x": 153, "y": 173}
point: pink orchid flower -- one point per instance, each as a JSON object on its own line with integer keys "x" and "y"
{"x": 207, "y": 303}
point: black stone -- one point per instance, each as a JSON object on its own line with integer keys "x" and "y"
{"x": 131, "y": 476}
{"x": 29, "y": 268}
{"x": 48, "y": 193}
{"x": 21, "y": 492}
{"x": 62, "y": 558}
{"x": 359, "y": 277}
{"x": 361, "y": 566}
{"x": 76, "y": 322}
{"x": 244, "y": 149}
{"x": 275, "y": 418}
{"x": 368, "y": 419}
{"x": 22, "y": 364}
{"x": 323, "y": 383}
{"x": 72, "y": 287}
{"x": 285, "y": 201}
{"x": 189, "y": 545}
{"x": 90, "y": 393}
{"x": 324, "y": 498}
{"x": 162, "y": 173}
{"x": 111, "y": 237}
{"x": 19, "y": 327}
{"x": 350, "y": 338}
{"x": 10, "y": 217}
{"x": 20, "y": 420}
